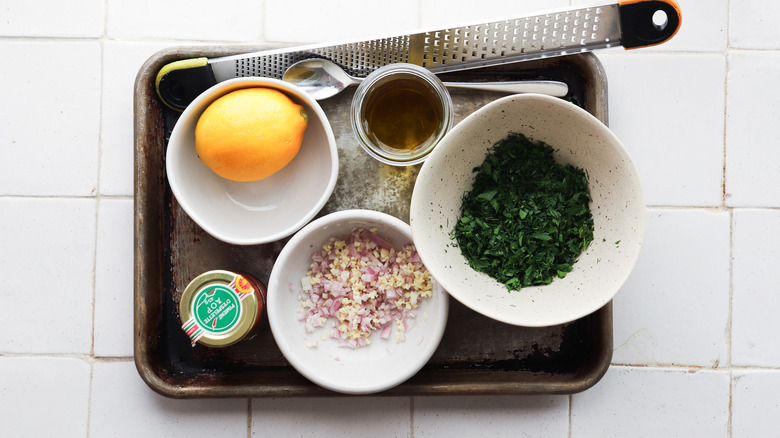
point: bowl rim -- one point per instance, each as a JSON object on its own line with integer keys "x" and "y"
{"x": 274, "y": 287}
{"x": 442, "y": 149}
{"x": 213, "y": 93}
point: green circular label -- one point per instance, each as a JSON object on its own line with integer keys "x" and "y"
{"x": 216, "y": 308}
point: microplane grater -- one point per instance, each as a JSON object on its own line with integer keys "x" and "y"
{"x": 628, "y": 23}
{"x": 446, "y": 49}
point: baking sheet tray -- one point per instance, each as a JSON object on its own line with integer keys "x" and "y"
{"x": 476, "y": 356}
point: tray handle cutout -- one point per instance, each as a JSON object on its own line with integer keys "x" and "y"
{"x": 180, "y": 82}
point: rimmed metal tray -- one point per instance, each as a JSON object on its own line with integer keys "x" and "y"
{"x": 477, "y": 355}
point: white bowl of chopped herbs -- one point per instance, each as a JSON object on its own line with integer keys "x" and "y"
{"x": 351, "y": 305}
{"x": 530, "y": 211}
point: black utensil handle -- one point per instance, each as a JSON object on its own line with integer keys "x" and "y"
{"x": 648, "y": 22}
{"x": 180, "y": 82}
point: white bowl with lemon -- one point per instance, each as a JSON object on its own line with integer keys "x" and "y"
{"x": 252, "y": 160}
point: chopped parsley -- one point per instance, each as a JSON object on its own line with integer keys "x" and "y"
{"x": 527, "y": 218}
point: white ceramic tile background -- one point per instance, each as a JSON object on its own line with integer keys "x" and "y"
{"x": 44, "y": 83}
{"x": 48, "y": 261}
{"x": 755, "y": 402}
{"x": 121, "y": 62}
{"x": 113, "y": 324}
{"x": 313, "y": 417}
{"x": 44, "y": 396}
{"x": 653, "y": 402}
{"x": 683, "y": 271}
{"x": 122, "y": 405}
{"x": 755, "y": 302}
{"x": 235, "y": 21}
{"x": 752, "y": 177}
{"x": 696, "y": 351}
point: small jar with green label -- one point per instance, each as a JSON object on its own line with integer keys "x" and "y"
{"x": 221, "y": 308}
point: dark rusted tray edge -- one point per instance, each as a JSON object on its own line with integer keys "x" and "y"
{"x": 146, "y": 232}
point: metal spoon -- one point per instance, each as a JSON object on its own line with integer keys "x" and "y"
{"x": 322, "y": 78}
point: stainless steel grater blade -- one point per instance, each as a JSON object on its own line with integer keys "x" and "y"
{"x": 629, "y": 23}
{"x": 454, "y": 48}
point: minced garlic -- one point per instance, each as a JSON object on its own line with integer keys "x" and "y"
{"x": 364, "y": 284}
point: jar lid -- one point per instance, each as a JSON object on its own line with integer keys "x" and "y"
{"x": 220, "y": 308}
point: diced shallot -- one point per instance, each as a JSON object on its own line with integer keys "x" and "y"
{"x": 363, "y": 284}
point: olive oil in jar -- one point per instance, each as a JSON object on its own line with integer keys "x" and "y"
{"x": 403, "y": 114}
{"x": 400, "y": 112}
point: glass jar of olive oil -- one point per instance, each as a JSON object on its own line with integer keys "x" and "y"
{"x": 400, "y": 112}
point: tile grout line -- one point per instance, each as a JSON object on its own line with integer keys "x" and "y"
{"x": 86, "y": 357}
{"x": 261, "y": 23}
{"x": 95, "y": 243}
{"x": 732, "y": 222}
{"x": 411, "y": 417}
{"x": 101, "y": 43}
{"x": 96, "y": 196}
{"x": 571, "y": 404}
{"x": 729, "y": 327}
{"x": 90, "y": 389}
{"x": 689, "y": 367}
{"x": 249, "y": 417}
{"x": 171, "y": 42}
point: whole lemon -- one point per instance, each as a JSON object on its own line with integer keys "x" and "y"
{"x": 250, "y": 134}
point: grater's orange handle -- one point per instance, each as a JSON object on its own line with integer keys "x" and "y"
{"x": 646, "y": 23}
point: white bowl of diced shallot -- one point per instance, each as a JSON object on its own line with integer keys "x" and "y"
{"x": 351, "y": 305}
